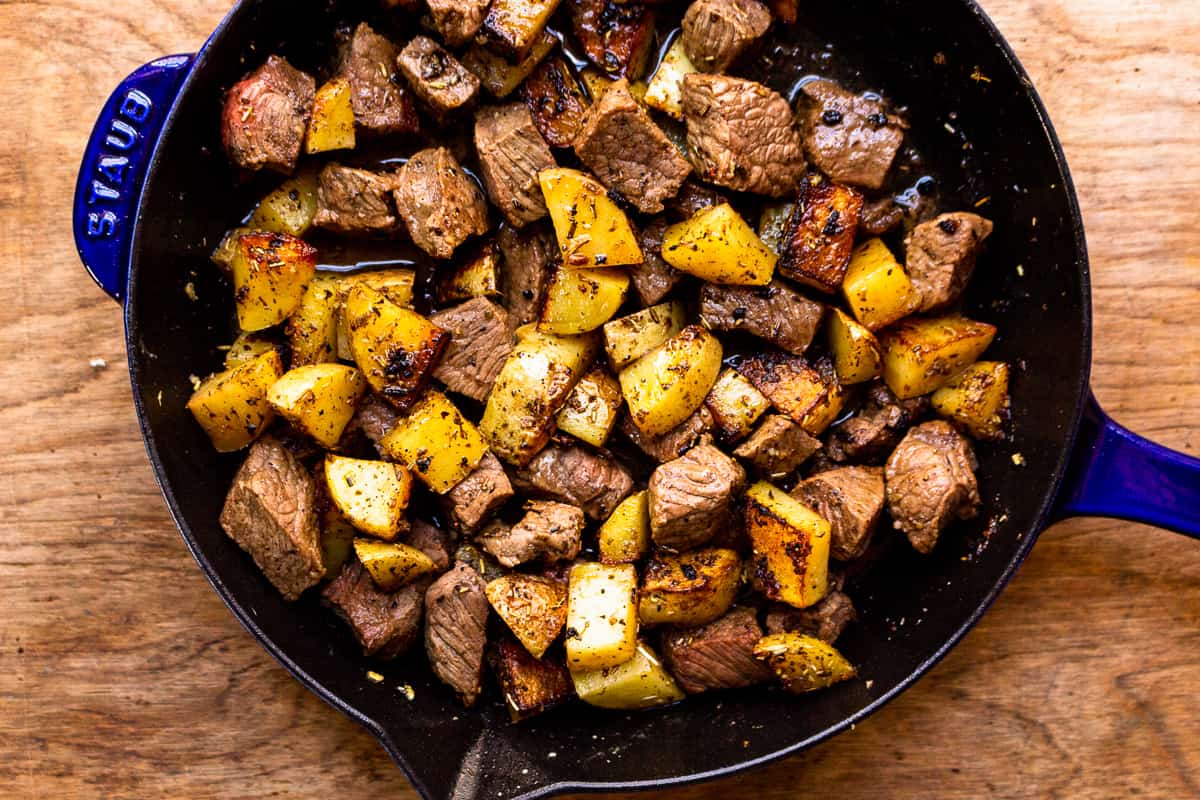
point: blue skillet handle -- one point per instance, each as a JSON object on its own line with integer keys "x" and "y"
{"x": 114, "y": 168}
{"x": 1115, "y": 473}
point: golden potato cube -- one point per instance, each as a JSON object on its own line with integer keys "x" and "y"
{"x": 602, "y": 620}
{"x": 718, "y": 246}
{"x": 332, "y": 123}
{"x": 692, "y": 588}
{"x": 313, "y": 329}
{"x": 857, "y": 356}
{"x": 596, "y": 82}
{"x": 641, "y": 682}
{"x": 665, "y": 91}
{"x": 498, "y": 75}
{"x": 478, "y": 276}
{"x": 249, "y": 346}
{"x": 290, "y": 208}
{"x": 921, "y": 355}
{"x": 624, "y": 538}
{"x": 392, "y": 564}
{"x": 512, "y": 27}
{"x": 372, "y": 495}
{"x": 590, "y": 412}
{"x": 791, "y": 546}
{"x": 318, "y": 399}
{"x": 667, "y": 385}
{"x": 773, "y": 222}
{"x": 337, "y": 540}
{"x": 591, "y": 228}
{"x": 395, "y": 284}
{"x": 629, "y": 338}
{"x": 820, "y": 235}
{"x": 792, "y": 386}
{"x": 877, "y": 287}
{"x": 803, "y": 663}
{"x": 556, "y": 102}
{"x": 830, "y": 408}
{"x": 271, "y": 272}
{"x": 581, "y": 300}
{"x": 395, "y": 347}
{"x": 534, "y": 608}
{"x": 977, "y": 399}
{"x": 735, "y": 405}
{"x": 232, "y": 406}
{"x": 436, "y": 442}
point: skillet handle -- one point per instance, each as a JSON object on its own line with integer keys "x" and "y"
{"x": 1115, "y": 473}
{"x": 114, "y": 168}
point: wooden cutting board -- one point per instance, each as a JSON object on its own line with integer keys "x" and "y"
{"x": 123, "y": 676}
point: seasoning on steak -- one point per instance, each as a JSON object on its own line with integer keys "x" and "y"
{"x": 582, "y": 478}
{"x": 477, "y": 497}
{"x": 458, "y": 20}
{"x": 439, "y": 203}
{"x": 716, "y": 32}
{"x": 742, "y": 135}
{"x": 851, "y": 500}
{"x": 266, "y": 115}
{"x": 931, "y": 482}
{"x": 385, "y": 624}
{"x": 870, "y": 435}
{"x": 777, "y": 447}
{"x": 942, "y": 254}
{"x": 692, "y": 497}
{"x": 528, "y": 255}
{"x": 456, "y": 614}
{"x": 776, "y": 312}
{"x": 431, "y": 541}
{"x": 549, "y": 531}
{"x": 354, "y": 201}
{"x": 826, "y": 620}
{"x": 695, "y": 430}
{"x": 437, "y": 78}
{"x": 850, "y": 137}
{"x": 719, "y": 655}
{"x": 479, "y": 345}
{"x": 381, "y": 103}
{"x": 653, "y": 278}
{"x": 511, "y": 154}
{"x": 374, "y": 417}
{"x": 270, "y": 513}
{"x": 628, "y": 152}
{"x": 693, "y": 198}
{"x": 881, "y": 217}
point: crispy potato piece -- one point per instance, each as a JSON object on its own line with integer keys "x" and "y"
{"x": 640, "y": 682}
{"x": 556, "y": 101}
{"x": 372, "y": 495}
{"x": 530, "y": 686}
{"x": 718, "y": 246}
{"x": 392, "y": 564}
{"x": 629, "y": 338}
{"x": 592, "y": 230}
{"x": 337, "y": 541}
{"x": 788, "y": 382}
{"x": 499, "y": 76}
{"x": 534, "y": 609}
{"x": 877, "y": 287}
{"x": 830, "y": 408}
{"x": 290, "y": 208}
{"x": 616, "y": 36}
{"x": 223, "y": 253}
{"x": 478, "y": 276}
{"x": 512, "y": 27}
{"x": 313, "y": 329}
{"x": 665, "y": 90}
{"x": 667, "y": 385}
{"x": 394, "y": 346}
{"x": 803, "y": 663}
{"x": 791, "y": 546}
{"x": 773, "y": 223}
{"x": 735, "y": 405}
{"x": 318, "y": 399}
{"x": 596, "y": 82}
{"x": 857, "y": 356}
{"x": 395, "y": 284}
{"x": 249, "y": 346}
{"x": 977, "y": 399}
{"x": 591, "y": 410}
{"x": 332, "y": 124}
{"x": 602, "y": 620}
{"x": 624, "y": 538}
{"x": 581, "y": 300}
{"x": 271, "y": 272}
{"x": 692, "y": 588}
{"x": 921, "y": 355}
{"x": 820, "y": 235}
{"x": 436, "y": 442}
{"x": 232, "y": 407}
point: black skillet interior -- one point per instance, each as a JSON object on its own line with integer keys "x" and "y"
{"x": 961, "y": 86}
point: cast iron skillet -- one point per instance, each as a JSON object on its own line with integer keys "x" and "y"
{"x": 155, "y": 193}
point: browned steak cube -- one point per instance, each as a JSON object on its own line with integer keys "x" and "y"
{"x": 549, "y": 531}
{"x": 716, "y": 32}
{"x": 270, "y": 513}
{"x": 653, "y": 278}
{"x": 931, "y": 482}
{"x": 456, "y": 613}
{"x": 941, "y": 255}
{"x": 776, "y": 313}
{"x": 458, "y": 20}
{"x": 617, "y": 36}
{"x": 386, "y": 625}
{"x": 431, "y": 541}
{"x": 579, "y": 477}
{"x": 826, "y": 620}
{"x": 437, "y": 78}
{"x": 742, "y": 135}
{"x": 881, "y": 217}
{"x": 850, "y": 137}
{"x": 478, "y": 497}
{"x": 692, "y": 497}
{"x": 870, "y": 435}
{"x": 480, "y": 343}
{"x": 851, "y": 500}
{"x": 820, "y": 235}
{"x": 511, "y": 154}
{"x": 530, "y": 685}
{"x": 628, "y": 152}
{"x": 695, "y": 430}
{"x": 266, "y": 115}
{"x": 719, "y": 655}
{"x": 693, "y": 198}
{"x": 382, "y": 105}
{"x": 439, "y": 203}
{"x": 354, "y": 201}
{"x": 777, "y": 447}
{"x": 556, "y": 101}
{"x": 374, "y": 418}
{"x": 528, "y": 256}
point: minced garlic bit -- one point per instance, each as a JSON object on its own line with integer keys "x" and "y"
{"x": 407, "y": 691}
{"x": 1018, "y": 459}
{"x": 978, "y": 76}
{"x": 189, "y": 289}
{"x": 374, "y": 677}
{"x": 1020, "y": 271}
{"x": 195, "y": 379}
{"x": 97, "y": 363}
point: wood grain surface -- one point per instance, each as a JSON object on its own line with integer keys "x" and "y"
{"x": 123, "y": 676}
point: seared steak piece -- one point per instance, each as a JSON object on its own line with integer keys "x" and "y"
{"x": 742, "y": 135}
{"x": 777, "y": 447}
{"x": 528, "y": 255}
{"x": 270, "y": 513}
{"x": 872, "y": 433}
{"x": 382, "y": 105}
{"x": 941, "y": 256}
{"x": 386, "y": 625}
{"x": 695, "y": 430}
{"x": 458, "y": 20}
{"x": 693, "y": 198}
{"x": 353, "y": 200}
{"x": 431, "y": 541}
{"x": 826, "y": 620}
{"x": 931, "y": 482}
{"x": 716, "y": 32}
{"x": 266, "y": 115}
{"x": 653, "y": 278}
{"x": 478, "y": 496}
{"x": 511, "y": 154}
{"x": 719, "y": 655}
{"x": 549, "y": 531}
{"x": 850, "y": 137}
{"x": 692, "y": 497}
{"x": 437, "y": 78}
{"x": 881, "y": 217}
{"x": 456, "y": 613}
{"x": 777, "y": 313}
{"x": 628, "y": 152}
{"x": 375, "y": 417}
{"x": 479, "y": 345}
{"x": 851, "y": 500}
{"x": 439, "y": 203}
{"x": 582, "y": 478}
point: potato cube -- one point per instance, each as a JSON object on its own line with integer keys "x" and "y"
{"x": 318, "y": 399}
{"x": 921, "y": 355}
{"x": 666, "y": 386}
{"x": 534, "y": 608}
{"x": 581, "y": 300}
{"x": 332, "y": 124}
{"x": 530, "y": 686}
{"x": 249, "y": 346}
{"x": 313, "y": 329}
{"x": 596, "y": 82}
{"x": 641, "y": 682}
{"x": 436, "y": 442}
{"x": 392, "y": 564}
{"x": 337, "y": 541}
{"x": 478, "y": 276}
{"x": 372, "y": 495}
{"x": 556, "y": 102}
{"x": 512, "y": 27}
{"x": 592, "y": 229}
{"x": 624, "y": 538}
{"x": 773, "y": 222}
{"x": 877, "y": 287}
{"x": 498, "y": 75}
{"x": 232, "y": 407}
{"x": 791, "y": 546}
{"x": 665, "y": 91}
{"x": 692, "y": 588}
{"x": 735, "y": 405}
{"x": 977, "y": 399}
{"x": 290, "y": 208}
{"x": 827, "y": 412}
{"x": 395, "y": 284}
{"x": 395, "y": 347}
{"x": 857, "y": 356}
{"x": 271, "y": 272}
{"x": 629, "y": 338}
{"x": 718, "y": 246}
{"x": 820, "y": 236}
{"x": 787, "y": 381}
{"x": 803, "y": 663}
{"x": 590, "y": 412}
{"x": 602, "y": 620}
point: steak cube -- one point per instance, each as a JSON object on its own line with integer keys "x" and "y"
{"x": 478, "y": 497}
{"x": 776, "y": 313}
{"x": 941, "y": 255}
{"x": 826, "y": 620}
{"x": 692, "y": 497}
{"x": 849, "y": 137}
{"x": 480, "y": 343}
{"x": 549, "y": 531}
{"x": 654, "y": 278}
{"x": 355, "y": 201}
{"x": 456, "y": 614}
{"x": 437, "y": 78}
{"x": 931, "y": 482}
{"x": 778, "y": 447}
{"x": 439, "y": 203}
{"x": 458, "y": 20}
{"x": 266, "y": 115}
{"x": 719, "y": 655}
{"x": 716, "y": 32}
{"x": 385, "y": 624}
{"x": 579, "y": 477}
{"x": 851, "y": 500}
{"x": 511, "y": 154}
{"x": 528, "y": 255}
{"x": 382, "y": 105}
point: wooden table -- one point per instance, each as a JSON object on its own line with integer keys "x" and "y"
{"x": 123, "y": 676}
